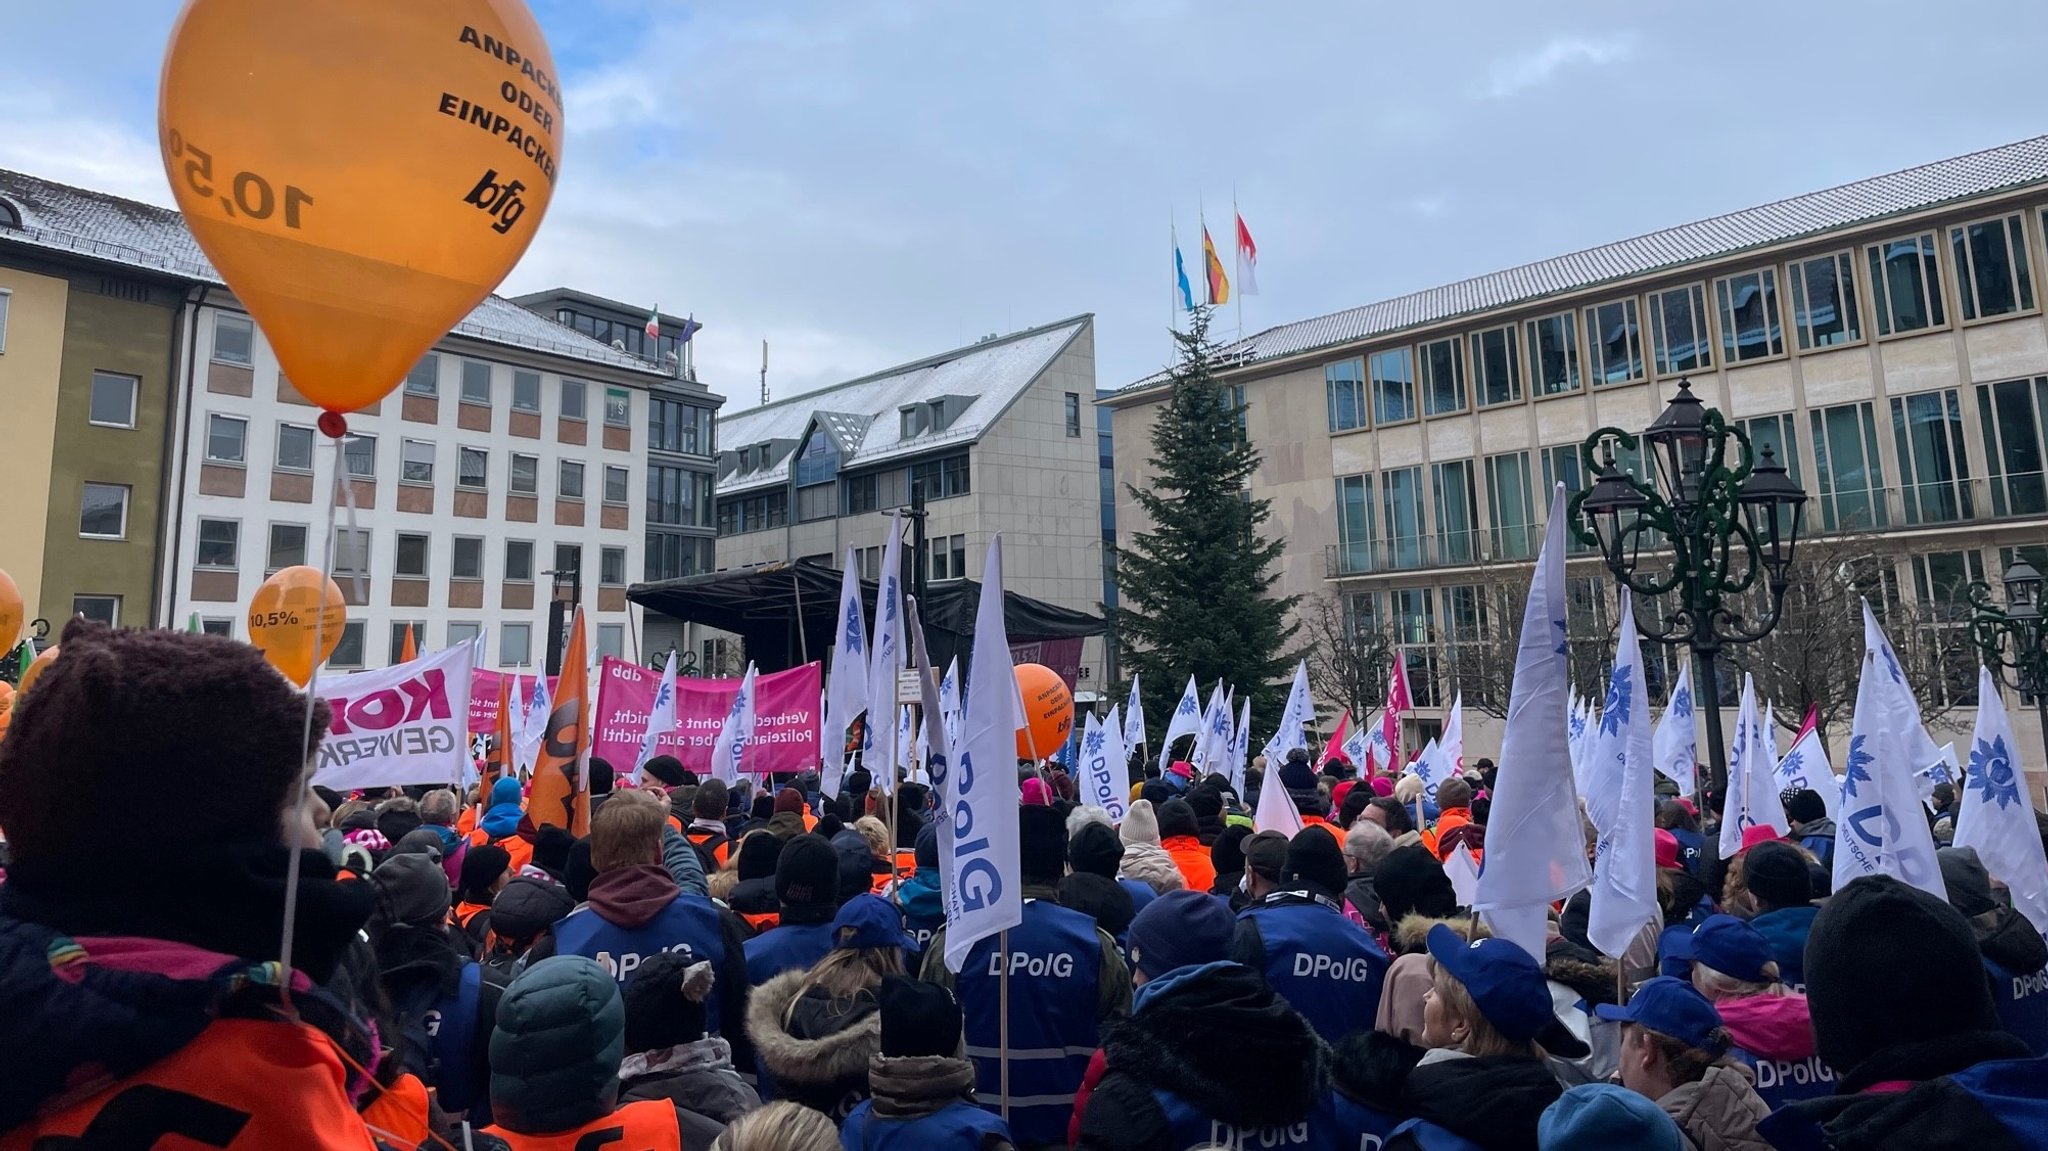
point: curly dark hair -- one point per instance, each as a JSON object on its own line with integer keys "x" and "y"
{"x": 119, "y": 711}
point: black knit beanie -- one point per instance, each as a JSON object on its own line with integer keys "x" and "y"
{"x": 1042, "y": 842}
{"x": 758, "y": 856}
{"x": 1227, "y": 853}
{"x": 927, "y": 852}
{"x": 1411, "y": 881}
{"x": 659, "y": 1013}
{"x": 1314, "y": 858}
{"x": 807, "y": 873}
{"x": 1886, "y": 966}
{"x": 1096, "y": 849}
{"x": 918, "y": 1019}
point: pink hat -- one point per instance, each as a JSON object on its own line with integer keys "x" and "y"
{"x": 1761, "y": 833}
{"x": 1381, "y": 786}
{"x": 1182, "y": 768}
{"x": 1035, "y": 793}
{"x": 1339, "y": 792}
{"x": 1667, "y": 851}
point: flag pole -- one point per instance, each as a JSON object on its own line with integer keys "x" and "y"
{"x": 1003, "y": 1021}
{"x": 1237, "y": 264}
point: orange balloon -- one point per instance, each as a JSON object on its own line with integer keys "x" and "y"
{"x": 36, "y": 669}
{"x": 296, "y": 619}
{"x": 11, "y": 613}
{"x": 361, "y": 172}
{"x": 1048, "y": 711}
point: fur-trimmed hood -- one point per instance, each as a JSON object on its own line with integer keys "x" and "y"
{"x": 824, "y": 1058}
{"x": 1411, "y": 935}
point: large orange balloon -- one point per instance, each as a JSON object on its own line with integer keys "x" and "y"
{"x": 36, "y": 669}
{"x": 296, "y": 618}
{"x": 10, "y": 612}
{"x": 361, "y": 172}
{"x": 1048, "y": 711}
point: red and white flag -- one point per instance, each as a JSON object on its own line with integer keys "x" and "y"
{"x": 1247, "y": 260}
{"x": 1335, "y": 744}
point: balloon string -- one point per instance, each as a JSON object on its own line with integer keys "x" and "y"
{"x": 291, "y": 874}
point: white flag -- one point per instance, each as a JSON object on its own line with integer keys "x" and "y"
{"x": 1294, "y": 719}
{"x": 1675, "y": 742}
{"x": 1134, "y": 717}
{"x": 949, "y": 701}
{"x": 1535, "y": 847}
{"x": 1187, "y": 720}
{"x": 846, "y": 693}
{"x": 1362, "y": 746}
{"x": 1771, "y": 732}
{"x": 1099, "y": 770}
{"x": 1429, "y": 767}
{"x": 734, "y": 734}
{"x": 1575, "y": 739}
{"x": 906, "y": 740}
{"x": 1622, "y": 803}
{"x": 1806, "y": 767}
{"x": 1452, "y": 741}
{"x": 1214, "y": 745}
{"x": 1240, "y": 746}
{"x": 1880, "y": 830}
{"x": 978, "y": 836}
{"x": 1198, "y": 752}
{"x": 1997, "y": 815}
{"x": 885, "y": 659}
{"x": 1752, "y": 799}
{"x": 1275, "y": 811}
{"x": 533, "y": 729}
{"x": 1463, "y": 873}
{"x": 934, "y": 741}
{"x": 661, "y": 718}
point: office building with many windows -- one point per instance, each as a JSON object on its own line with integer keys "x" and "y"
{"x": 994, "y": 435}
{"x": 1884, "y": 339}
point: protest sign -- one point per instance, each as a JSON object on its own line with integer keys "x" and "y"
{"x": 785, "y": 717}
{"x": 397, "y": 725}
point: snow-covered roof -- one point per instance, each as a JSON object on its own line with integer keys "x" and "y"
{"x": 80, "y": 222}
{"x": 862, "y": 415}
{"x": 1865, "y": 201}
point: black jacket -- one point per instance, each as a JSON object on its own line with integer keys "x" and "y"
{"x": 1104, "y": 899}
{"x": 815, "y": 1052}
{"x": 1217, "y": 1037}
{"x": 1948, "y": 1106}
{"x": 1494, "y": 1101}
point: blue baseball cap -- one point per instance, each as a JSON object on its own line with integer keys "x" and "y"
{"x": 1504, "y": 981}
{"x": 869, "y": 921}
{"x": 1729, "y": 946}
{"x": 1671, "y": 1007}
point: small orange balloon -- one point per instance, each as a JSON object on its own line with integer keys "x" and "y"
{"x": 361, "y": 172}
{"x": 296, "y": 619}
{"x": 36, "y": 669}
{"x": 11, "y": 613}
{"x": 1048, "y": 711}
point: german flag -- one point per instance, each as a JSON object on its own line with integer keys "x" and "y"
{"x": 1219, "y": 283}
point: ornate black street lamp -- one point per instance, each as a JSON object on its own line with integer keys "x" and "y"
{"x": 1714, "y": 526}
{"x": 2013, "y": 637}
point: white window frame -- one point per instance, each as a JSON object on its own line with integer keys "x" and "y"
{"x": 368, "y": 542}
{"x": 531, "y": 559}
{"x": 432, "y": 383}
{"x": 611, "y": 640}
{"x": 199, "y": 541}
{"x": 626, "y": 476}
{"x": 134, "y": 400}
{"x": 127, "y": 496}
{"x": 277, "y": 449}
{"x": 270, "y": 563}
{"x": 405, "y": 447}
{"x": 426, "y": 555}
{"x": 484, "y": 485}
{"x": 369, "y": 441}
{"x": 213, "y": 351}
{"x": 489, "y": 387}
{"x": 463, "y": 631}
{"x": 604, "y": 553}
{"x": 362, "y": 630}
{"x": 454, "y": 544}
{"x": 534, "y": 407}
{"x": 562, "y": 468}
{"x": 625, "y": 394}
{"x": 512, "y": 476}
{"x": 505, "y": 649}
{"x": 582, "y": 388}
{"x": 241, "y": 460}
{"x": 2019, "y": 261}
{"x": 114, "y": 600}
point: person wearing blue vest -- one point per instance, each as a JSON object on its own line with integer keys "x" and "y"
{"x": 1210, "y": 1055}
{"x": 636, "y": 909}
{"x": 1066, "y": 979}
{"x": 1322, "y": 963}
{"x": 807, "y": 891}
{"x": 1732, "y": 966}
{"x": 922, "y": 1084}
{"x": 1675, "y": 1051}
{"x": 1776, "y": 878}
{"x": 2014, "y": 952}
{"x": 1924, "y": 1061}
{"x": 1677, "y": 817}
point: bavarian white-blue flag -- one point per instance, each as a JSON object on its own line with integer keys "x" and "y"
{"x": 1622, "y": 802}
{"x": 1535, "y": 847}
{"x": 978, "y": 836}
{"x": 1881, "y": 830}
{"x": 733, "y": 735}
{"x": 1294, "y": 720}
{"x": 1997, "y": 816}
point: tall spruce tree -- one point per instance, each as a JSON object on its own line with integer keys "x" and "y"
{"x": 1195, "y": 592}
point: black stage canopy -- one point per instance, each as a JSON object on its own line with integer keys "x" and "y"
{"x": 763, "y": 604}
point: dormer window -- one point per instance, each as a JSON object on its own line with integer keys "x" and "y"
{"x": 915, "y": 418}
{"x": 940, "y": 416}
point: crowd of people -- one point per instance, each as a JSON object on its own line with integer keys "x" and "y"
{"x": 762, "y": 966}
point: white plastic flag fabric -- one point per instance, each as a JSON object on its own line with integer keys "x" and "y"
{"x": 1275, "y": 810}
{"x": 1463, "y": 873}
{"x": 1535, "y": 847}
{"x": 1806, "y": 767}
{"x": 1881, "y": 830}
{"x": 1622, "y": 803}
{"x": 1771, "y": 733}
{"x": 978, "y": 837}
{"x": 1430, "y": 766}
{"x": 949, "y": 701}
{"x": 661, "y": 718}
{"x": 1100, "y": 769}
{"x": 533, "y": 729}
{"x": 1299, "y": 713}
{"x": 1205, "y": 739}
{"x": 733, "y": 735}
{"x": 1119, "y": 752}
{"x": 1216, "y": 741}
{"x": 1359, "y": 748}
{"x": 1997, "y": 815}
{"x": 1752, "y": 799}
{"x": 1187, "y": 720}
{"x": 1674, "y": 745}
{"x": 1134, "y": 717}
{"x": 1575, "y": 737}
{"x": 846, "y": 694}
{"x": 1452, "y": 741}
{"x": 1240, "y": 746}
{"x": 885, "y": 659}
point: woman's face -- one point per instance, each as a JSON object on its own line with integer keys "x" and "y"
{"x": 1438, "y": 1028}
{"x": 296, "y": 825}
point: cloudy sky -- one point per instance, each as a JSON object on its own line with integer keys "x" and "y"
{"x": 862, "y": 183}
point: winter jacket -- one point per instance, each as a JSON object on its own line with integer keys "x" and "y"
{"x": 1818, "y": 837}
{"x": 1720, "y": 1111}
{"x": 1976, "y": 1090}
{"x": 1769, "y": 1026}
{"x": 924, "y": 906}
{"x": 920, "y": 1102}
{"x": 1192, "y": 858}
{"x": 1329, "y": 968}
{"x": 815, "y": 1051}
{"x": 1786, "y": 930}
{"x": 1148, "y": 863}
{"x": 2006, "y": 938}
{"x": 699, "y": 1079}
{"x": 1492, "y": 1101}
{"x": 1205, "y": 1045}
{"x": 1104, "y": 900}
{"x": 543, "y": 1054}
{"x": 1362, "y": 906}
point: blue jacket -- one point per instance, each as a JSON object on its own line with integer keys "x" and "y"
{"x": 786, "y": 948}
{"x": 958, "y": 1125}
{"x": 1323, "y": 964}
{"x": 2022, "y": 1004}
{"x": 1996, "y": 1105}
{"x": 1786, "y": 930}
{"x": 1142, "y": 893}
{"x": 924, "y": 906}
{"x": 502, "y": 817}
{"x": 1055, "y": 961}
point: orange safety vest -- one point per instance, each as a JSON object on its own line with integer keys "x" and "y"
{"x": 762, "y": 920}
{"x": 520, "y": 851}
{"x": 649, "y": 1125}
{"x": 464, "y": 912}
{"x": 720, "y": 852}
{"x": 398, "y": 1114}
{"x": 241, "y": 1085}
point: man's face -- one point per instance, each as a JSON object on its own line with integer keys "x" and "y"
{"x": 1375, "y": 814}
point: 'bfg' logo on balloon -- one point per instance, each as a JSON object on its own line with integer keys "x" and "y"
{"x": 501, "y": 202}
